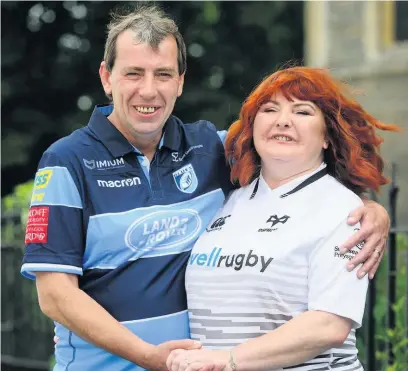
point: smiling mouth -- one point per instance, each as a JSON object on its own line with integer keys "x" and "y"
{"x": 283, "y": 138}
{"x": 146, "y": 110}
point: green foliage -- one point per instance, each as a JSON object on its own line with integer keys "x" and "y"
{"x": 19, "y": 304}
{"x": 211, "y": 12}
{"x": 396, "y": 337}
{"x": 20, "y": 197}
{"x": 52, "y": 363}
{"x": 15, "y": 209}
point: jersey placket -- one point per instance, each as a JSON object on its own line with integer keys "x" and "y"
{"x": 155, "y": 185}
{"x": 151, "y": 174}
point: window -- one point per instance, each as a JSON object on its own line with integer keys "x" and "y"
{"x": 401, "y": 20}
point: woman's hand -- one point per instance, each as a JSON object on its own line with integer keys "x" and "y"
{"x": 194, "y": 360}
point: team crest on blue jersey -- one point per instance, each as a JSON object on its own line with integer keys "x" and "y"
{"x": 90, "y": 164}
{"x": 186, "y": 179}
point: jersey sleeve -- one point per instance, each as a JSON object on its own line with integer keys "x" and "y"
{"x": 331, "y": 287}
{"x": 54, "y": 238}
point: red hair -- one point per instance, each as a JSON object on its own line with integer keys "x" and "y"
{"x": 352, "y": 156}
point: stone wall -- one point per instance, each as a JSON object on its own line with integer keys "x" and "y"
{"x": 349, "y": 39}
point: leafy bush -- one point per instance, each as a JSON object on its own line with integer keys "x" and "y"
{"x": 15, "y": 210}
{"x": 396, "y": 337}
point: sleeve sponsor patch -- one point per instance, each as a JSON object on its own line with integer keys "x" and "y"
{"x": 37, "y": 225}
{"x": 42, "y": 179}
{"x": 48, "y": 185}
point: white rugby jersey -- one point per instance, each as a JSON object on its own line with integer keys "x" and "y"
{"x": 269, "y": 255}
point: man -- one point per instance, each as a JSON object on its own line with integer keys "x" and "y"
{"x": 118, "y": 205}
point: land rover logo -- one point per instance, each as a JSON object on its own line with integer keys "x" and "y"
{"x": 163, "y": 230}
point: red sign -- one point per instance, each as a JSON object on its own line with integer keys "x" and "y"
{"x": 37, "y": 225}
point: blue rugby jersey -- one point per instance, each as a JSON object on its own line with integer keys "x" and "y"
{"x": 125, "y": 226}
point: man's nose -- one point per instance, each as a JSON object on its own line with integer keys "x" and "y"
{"x": 147, "y": 88}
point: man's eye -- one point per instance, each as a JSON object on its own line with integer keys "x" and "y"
{"x": 164, "y": 74}
{"x": 132, "y": 74}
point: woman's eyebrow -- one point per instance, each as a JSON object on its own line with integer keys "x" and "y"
{"x": 305, "y": 104}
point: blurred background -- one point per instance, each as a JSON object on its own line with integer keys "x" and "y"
{"x": 50, "y": 57}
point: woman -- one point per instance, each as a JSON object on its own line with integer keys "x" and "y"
{"x": 266, "y": 283}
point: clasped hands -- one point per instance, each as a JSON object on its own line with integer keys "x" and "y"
{"x": 200, "y": 359}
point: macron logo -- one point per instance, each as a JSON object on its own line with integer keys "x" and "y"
{"x": 236, "y": 261}
{"x": 119, "y": 183}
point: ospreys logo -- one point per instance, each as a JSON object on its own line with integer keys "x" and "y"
{"x": 274, "y": 219}
{"x": 186, "y": 179}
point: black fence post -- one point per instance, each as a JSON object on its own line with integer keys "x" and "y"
{"x": 370, "y": 343}
{"x": 392, "y": 261}
{"x": 370, "y": 325}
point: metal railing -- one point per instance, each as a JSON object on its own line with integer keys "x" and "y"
{"x": 26, "y": 334}
{"x": 372, "y": 346}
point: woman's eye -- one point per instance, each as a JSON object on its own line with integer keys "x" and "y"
{"x": 303, "y": 113}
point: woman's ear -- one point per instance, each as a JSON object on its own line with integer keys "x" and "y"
{"x": 326, "y": 142}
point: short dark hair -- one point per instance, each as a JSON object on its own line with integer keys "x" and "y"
{"x": 150, "y": 25}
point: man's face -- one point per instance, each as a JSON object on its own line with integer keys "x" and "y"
{"x": 144, "y": 84}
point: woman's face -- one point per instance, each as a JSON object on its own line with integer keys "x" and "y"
{"x": 291, "y": 132}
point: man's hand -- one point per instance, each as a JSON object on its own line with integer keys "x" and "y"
{"x": 194, "y": 360}
{"x": 375, "y": 225}
{"x": 156, "y": 359}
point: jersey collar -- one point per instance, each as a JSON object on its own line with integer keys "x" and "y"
{"x": 114, "y": 140}
{"x": 260, "y": 186}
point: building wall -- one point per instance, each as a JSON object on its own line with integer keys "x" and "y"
{"x": 355, "y": 40}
